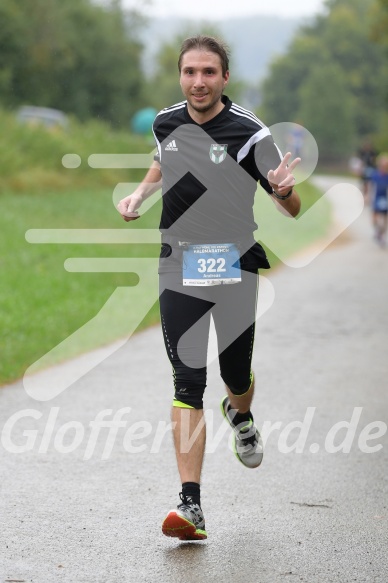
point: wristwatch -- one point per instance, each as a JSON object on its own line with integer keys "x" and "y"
{"x": 276, "y": 195}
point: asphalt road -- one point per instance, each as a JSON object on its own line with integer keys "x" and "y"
{"x": 83, "y": 505}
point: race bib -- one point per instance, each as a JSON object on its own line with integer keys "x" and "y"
{"x": 211, "y": 264}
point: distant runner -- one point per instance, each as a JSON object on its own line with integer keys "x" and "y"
{"x": 379, "y": 203}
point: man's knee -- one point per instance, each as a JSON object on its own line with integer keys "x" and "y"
{"x": 189, "y": 384}
{"x": 238, "y": 384}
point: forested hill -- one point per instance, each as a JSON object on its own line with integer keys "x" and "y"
{"x": 254, "y": 41}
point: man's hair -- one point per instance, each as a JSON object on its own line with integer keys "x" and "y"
{"x": 208, "y": 43}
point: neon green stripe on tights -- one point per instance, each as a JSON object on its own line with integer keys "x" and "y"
{"x": 181, "y": 405}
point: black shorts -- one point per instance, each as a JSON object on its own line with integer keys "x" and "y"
{"x": 185, "y": 317}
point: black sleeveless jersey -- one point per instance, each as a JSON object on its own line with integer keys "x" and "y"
{"x": 210, "y": 172}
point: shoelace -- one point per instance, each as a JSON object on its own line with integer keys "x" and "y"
{"x": 188, "y": 504}
{"x": 250, "y": 440}
{"x": 186, "y": 500}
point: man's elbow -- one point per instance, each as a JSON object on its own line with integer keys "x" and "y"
{"x": 295, "y": 205}
{"x": 295, "y": 210}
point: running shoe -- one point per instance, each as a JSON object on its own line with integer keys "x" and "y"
{"x": 186, "y": 522}
{"x": 247, "y": 442}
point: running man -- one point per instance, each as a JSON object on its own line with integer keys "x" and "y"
{"x": 379, "y": 191}
{"x": 367, "y": 154}
{"x": 211, "y": 155}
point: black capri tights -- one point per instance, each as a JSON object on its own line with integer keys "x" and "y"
{"x": 185, "y": 317}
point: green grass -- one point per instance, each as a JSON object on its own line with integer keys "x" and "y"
{"x": 41, "y": 304}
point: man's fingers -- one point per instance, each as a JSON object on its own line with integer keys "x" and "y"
{"x": 294, "y": 163}
{"x": 126, "y": 213}
{"x": 283, "y": 166}
{"x": 288, "y": 182}
{"x": 284, "y": 162}
{"x": 282, "y": 176}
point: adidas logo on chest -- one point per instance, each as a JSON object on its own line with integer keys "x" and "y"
{"x": 171, "y": 147}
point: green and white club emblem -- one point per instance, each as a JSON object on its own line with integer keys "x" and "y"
{"x": 218, "y": 153}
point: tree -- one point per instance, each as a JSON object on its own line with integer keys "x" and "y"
{"x": 339, "y": 37}
{"x": 347, "y": 34}
{"x": 163, "y": 85}
{"x": 287, "y": 75}
{"x": 326, "y": 111}
{"x": 379, "y": 32}
{"x": 379, "y": 35}
{"x": 77, "y": 56}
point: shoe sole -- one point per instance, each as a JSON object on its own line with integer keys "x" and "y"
{"x": 234, "y": 439}
{"x": 178, "y": 527}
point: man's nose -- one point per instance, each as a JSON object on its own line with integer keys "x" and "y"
{"x": 198, "y": 80}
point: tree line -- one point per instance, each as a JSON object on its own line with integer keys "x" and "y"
{"x": 334, "y": 78}
{"x": 85, "y": 58}
{"x": 75, "y": 55}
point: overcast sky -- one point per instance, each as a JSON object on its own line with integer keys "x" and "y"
{"x": 219, "y": 9}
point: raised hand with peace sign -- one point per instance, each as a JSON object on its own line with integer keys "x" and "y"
{"x": 282, "y": 182}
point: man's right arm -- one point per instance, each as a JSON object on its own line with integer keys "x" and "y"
{"x": 152, "y": 182}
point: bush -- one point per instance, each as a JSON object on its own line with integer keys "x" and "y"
{"x": 31, "y": 156}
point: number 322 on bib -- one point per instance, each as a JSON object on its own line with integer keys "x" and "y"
{"x": 211, "y": 264}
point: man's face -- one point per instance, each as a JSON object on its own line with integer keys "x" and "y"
{"x": 201, "y": 79}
